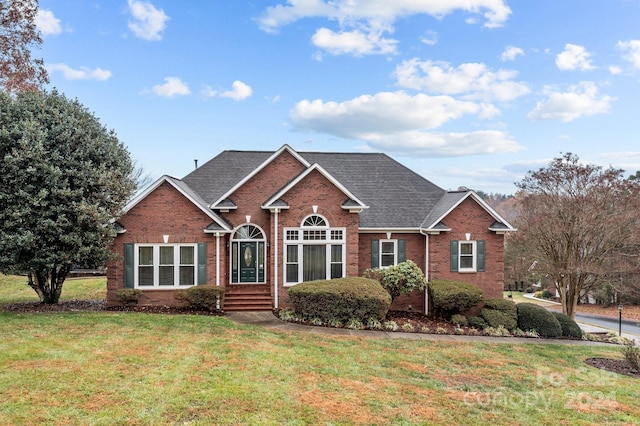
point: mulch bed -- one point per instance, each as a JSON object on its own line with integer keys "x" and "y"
{"x": 619, "y": 366}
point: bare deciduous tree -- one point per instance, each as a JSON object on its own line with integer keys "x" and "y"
{"x": 18, "y": 34}
{"x": 575, "y": 218}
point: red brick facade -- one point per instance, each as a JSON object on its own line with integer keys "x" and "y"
{"x": 167, "y": 211}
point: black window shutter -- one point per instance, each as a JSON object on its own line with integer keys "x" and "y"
{"x": 480, "y": 260}
{"x": 402, "y": 250}
{"x": 129, "y": 267}
{"x": 454, "y": 256}
{"x": 375, "y": 253}
{"x": 202, "y": 263}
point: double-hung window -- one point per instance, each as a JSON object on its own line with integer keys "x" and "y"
{"x": 467, "y": 256}
{"x": 164, "y": 265}
{"x": 314, "y": 251}
{"x": 385, "y": 253}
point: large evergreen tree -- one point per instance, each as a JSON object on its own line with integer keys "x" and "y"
{"x": 63, "y": 177}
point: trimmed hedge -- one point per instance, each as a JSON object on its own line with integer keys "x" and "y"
{"x": 496, "y": 318}
{"x": 535, "y": 317}
{"x": 453, "y": 297}
{"x": 570, "y": 328}
{"x": 341, "y": 299}
{"x": 205, "y": 297}
{"x": 477, "y": 322}
{"x": 500, "y": 312}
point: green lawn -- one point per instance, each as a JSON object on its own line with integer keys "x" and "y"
{"x": 106, "y": 368}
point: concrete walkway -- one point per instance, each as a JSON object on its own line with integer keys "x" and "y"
{"x": 268, "y": 320}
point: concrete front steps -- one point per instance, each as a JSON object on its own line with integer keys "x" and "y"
{"x": 248, "y": 297}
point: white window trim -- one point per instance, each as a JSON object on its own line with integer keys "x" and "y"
{"x": 327, "y": 242}
{"x": 156, "y": 266}
{"x": 395, "y": 253}
{"x": 474, "y": 257}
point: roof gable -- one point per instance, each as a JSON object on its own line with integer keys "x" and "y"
{"x": 255, "y": 171}
{"x": 355, "y": 205}
{"x": 183, "y": 189}
{"x": 450, "y": 201}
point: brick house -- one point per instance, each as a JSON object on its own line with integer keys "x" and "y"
{"x": 259, "y": 222}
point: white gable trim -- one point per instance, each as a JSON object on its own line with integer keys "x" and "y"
{"x": 482, "y": 204}
{"x": 275, "y": 155}
{"x": 171, "y": 181}
{"x": 324, "y": 173}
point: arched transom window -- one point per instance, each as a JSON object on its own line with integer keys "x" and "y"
{"x": 314, "y": 251}
{"x": 248, "y": 255}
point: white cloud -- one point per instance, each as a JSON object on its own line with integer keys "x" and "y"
{"x": 431, "y": 38}
{"x": 173, "y": 86}
{"x": 83, "y": 73}
{"x": 428, "y": 144}
{"x": 615, "y": 70}
{"x": 574, "y": 57}
{"x": 353, "y": 42}
{"x": 148, "y": 22}
{"x": 631, "y": 49}
{"x": 362, "y": 24}
{"x": 495, "y": 12}
{"x": 47, "y": 23}
{"x": 397, "y": 121}
{"x": 510, "y": 53}
{"x": 472, "y": 80}
{"x": 578, "y": 101}
{"x": 239, "y": 91}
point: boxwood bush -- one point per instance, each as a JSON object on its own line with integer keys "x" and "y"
{"x": 535, "y": 317}
{"x": 453, "y": 297}
{"x": 500, "y": 312}
{"x": 205, "y": 297}
{"x": 570, "y": 328}
{"x": 341, "y": 299}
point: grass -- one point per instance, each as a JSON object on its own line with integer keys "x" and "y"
{"x": 106, "y": 368}
{"x": 14, "y": 289}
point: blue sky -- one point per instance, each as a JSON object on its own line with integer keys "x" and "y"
{"x": 468, "y": 93}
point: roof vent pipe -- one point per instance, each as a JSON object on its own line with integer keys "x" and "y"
{"x": 196, "y": 162}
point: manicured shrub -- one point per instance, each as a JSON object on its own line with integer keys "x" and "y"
{"x": 500, "y": 312}
{"x": 477, "y": 322}
{"x": 399, "y": 279}
{"x": 128, "y": 296}
{"x": 341, "y": 299}
{"x": 501, "y": 304}
{"x": 631, "y": 354}
{"x": 535, "y": 317}
{"x": 570, "y": 328}
{"x": 453, "y": 297}
{"x": 496, "y": 319}
{"x": 459, "y": 319}
{"x": 205, "y": 297}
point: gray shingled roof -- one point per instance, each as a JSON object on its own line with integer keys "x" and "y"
{"x": 397, "y": 196}
{"x": 446, "y": 202}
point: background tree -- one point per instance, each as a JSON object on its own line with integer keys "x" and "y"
{"x": 63, "y": 176}
{"x": 18, "y": 34}
{"x": 575, "y": 219}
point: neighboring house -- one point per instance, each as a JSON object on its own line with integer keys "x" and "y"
{"x": 258, "y": 222}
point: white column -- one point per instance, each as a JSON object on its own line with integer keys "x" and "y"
{"x": 275, "y": 260}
